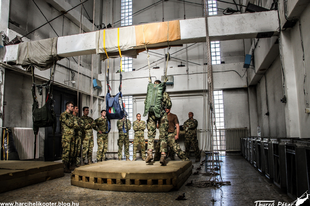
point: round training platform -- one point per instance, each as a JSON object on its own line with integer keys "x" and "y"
{"x": 132, "y": 176}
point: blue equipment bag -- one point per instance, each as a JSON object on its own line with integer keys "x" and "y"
{"x": 114, "y": 107}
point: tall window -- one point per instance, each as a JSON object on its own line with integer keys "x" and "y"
{"x": 219, "y": 109}
{"x": 219, "y": 141}
{"x": 215, "y": 45}
{"x": 126, "y": 12}
{"x": 126, "y": 20}
{"x": 128, "y": 107}
{"x": 212, "y": 7}
{"x": 127, "y": 64}
{"x": 215, "y": 52}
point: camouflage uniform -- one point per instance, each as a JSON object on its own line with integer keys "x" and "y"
{"x": 190, "y": 127}
{"x": 173, "y": 145}
{"x": 163, "y": 125}
{"x": 139, "y": 127}
{"x": 78, "y": 140}
{"x": 123, "y": 137}
{"x": 88, "y": 140}
{"x": 102, "y": 139}
{"x": 67, "y": 123}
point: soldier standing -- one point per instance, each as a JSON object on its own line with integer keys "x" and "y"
{"x": 88, "y": 140}
{"x": 163, "y": 125}
{"x": 102, "y": 136}
{"x": 139, "y": 127}
{"x": 173, "y": 135}
{"x": 123, "y": 125}
{"x": 67, "y": 123}
{"x": 190, "y": 127}
{"x": 78, "y": 136}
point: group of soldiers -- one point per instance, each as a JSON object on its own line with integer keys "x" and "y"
{"x": 77, "y": 135}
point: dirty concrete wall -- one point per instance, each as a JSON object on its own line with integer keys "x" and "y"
{"x": 271, "y": 112}
{"x": 18, "y": 105}
{"x": 236, "y": 113}
{"x": 301, "y": 41}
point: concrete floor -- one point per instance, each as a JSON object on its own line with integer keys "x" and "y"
{"x": 247, "y": 186}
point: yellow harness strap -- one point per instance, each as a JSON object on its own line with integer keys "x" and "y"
{"x": 106, "y": 53}
{"x": 119, "y": 51}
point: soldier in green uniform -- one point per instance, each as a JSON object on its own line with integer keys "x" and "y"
{"x": 67, "y": 123}
{"x": 123, "y": 125}
{"x": 102, "y": 136}
{"x": 88, "y": 140}
{"x": 139, "y": 127}
{"x": 163, "y": 125}
{"x": 190, "y": 127}
{"x": 78, "y": 137}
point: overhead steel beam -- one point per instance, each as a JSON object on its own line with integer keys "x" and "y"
{"x": 239, "y": 26}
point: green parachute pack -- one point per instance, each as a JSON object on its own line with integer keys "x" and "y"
{"x": 154, "y": 98}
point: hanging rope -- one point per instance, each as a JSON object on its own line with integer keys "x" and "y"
{"x": 121, "y": 62}
{"x": 108, "y": 58}
{"x": 119, "y": 51}
{"x": 168, "y": 54}
{"x": 148, "y": 56}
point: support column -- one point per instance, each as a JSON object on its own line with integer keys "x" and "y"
{"x": 4, "y": 24}
{"x": 291, "y": 107}
{"x": 4, "y": 15}
{"x": 252, "y": 104}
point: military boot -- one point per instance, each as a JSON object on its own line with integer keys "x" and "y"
{"x": 66, "y": 168}
{"x": 143, "y": 158}
{"x": 149, "y": 157}
{"x": 73, "y": 166}
{"x": 157, "y": 156}
{"x": 183, "y": 157}
{"x": 163, "y": 160}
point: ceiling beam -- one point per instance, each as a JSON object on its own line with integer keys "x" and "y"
{"x": 239, "y": 26}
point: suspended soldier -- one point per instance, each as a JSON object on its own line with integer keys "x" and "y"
{"x": 139, "y": 127}
{"x": 68, "y": 123}
{"x": 123, "y": 125}
{"x": 102, "y": 136}
{"x": 190, "y": 127}
{"x": 88, "y": 140}
{"x": 78, "y": 137}
{"x": 156, "y": 102}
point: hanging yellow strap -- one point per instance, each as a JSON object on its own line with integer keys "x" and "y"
{"x": 119, "y": 51}
{"x": 105, "y": 50}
